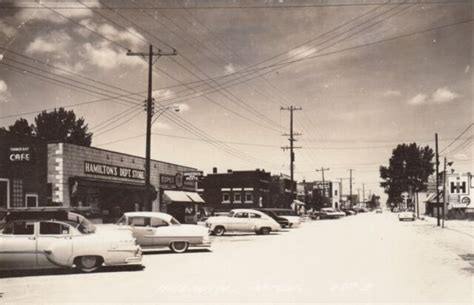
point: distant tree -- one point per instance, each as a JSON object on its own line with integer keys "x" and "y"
{"x": 55, "y": 126}
{"x": 21, "y": 127}
{"x": 62, "y": 126}
{"x": 374, "y": 202}
{"x": 409, "y": 169}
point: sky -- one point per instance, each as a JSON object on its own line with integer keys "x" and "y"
{"x": 368, "y": 75}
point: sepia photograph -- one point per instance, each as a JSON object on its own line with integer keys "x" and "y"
{"x": 236, "y": 152}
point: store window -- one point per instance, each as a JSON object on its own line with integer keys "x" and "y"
{"x": 225, "y": 198}
{"x": 4, "y": 193}
{"x": 31, "y": 200}
{"x": 237, "y": 198}
{"x": 18, "y": 193}
{"x": 335, "y": 192}
{"x": 248, "y": 198}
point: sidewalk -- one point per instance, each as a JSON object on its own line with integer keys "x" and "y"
{"x": 457, "y": 235}
{"x": 460, "y": 226}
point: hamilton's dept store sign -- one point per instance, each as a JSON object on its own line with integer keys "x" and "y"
{"x": 113, "y": 171}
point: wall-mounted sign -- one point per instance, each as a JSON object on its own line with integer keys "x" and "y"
{"x": 20, "y": 154}
{"x": 193, "y": 176}
{"x": 113, "y": 171}
{"x": 177, "y": 181}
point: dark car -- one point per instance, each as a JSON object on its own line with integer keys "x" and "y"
{"x": 281, "y": 221}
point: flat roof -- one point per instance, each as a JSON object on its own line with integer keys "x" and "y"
{"x": 125, "y": 154}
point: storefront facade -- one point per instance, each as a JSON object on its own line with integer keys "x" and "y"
{"x": 97, "y": 183}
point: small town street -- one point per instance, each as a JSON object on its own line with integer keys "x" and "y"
{"x": 364, "y": 258}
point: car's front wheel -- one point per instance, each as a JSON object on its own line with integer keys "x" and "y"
{"x": 179, "y": 246}
{"x": 88, "y": 263}
{"x": 219, "y": 230}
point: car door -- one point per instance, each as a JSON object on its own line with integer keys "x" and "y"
{"x": 255, "y": 221}
{"x": 241, "y": 222}
{"x": 142, "y": 230}
{"x": 54, "y": 244}
{"x": 163, "y": 232}
{"x": 18, "y": 245}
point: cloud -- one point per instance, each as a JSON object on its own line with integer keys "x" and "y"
{"x": 390, "y": 93}
{"x": 461, "y": 157}
{"x": 6, "y": 29}
{"x": 129, "y": 35}
{"x": 53, "y": 15}
{"x": 75, "y": 68}
{"x": 163, "y": 94}
{"x": 444, "y": 95}
{"x": 229, "y": 69}
{"x": 55, "y": 41}
{"x": 301, "y": 52}
{"x": 161, "y": 126}
{"x": 4, "y": 93}
{"x": 183, "y": 107}
{"x": 440, "y": 96}
{"x": 418, "y": 99}
{"x": 467, "y": 69}
{"x": 106, "y": 57}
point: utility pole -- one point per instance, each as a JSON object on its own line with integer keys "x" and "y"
{"x": 322, "y": 173}
{"x": 149, "y": 114}
{"x": 363, "y": 192}
{"x": 437, "y": 180}
{"x": 358, "y": 194}
{"x": 350, "y": 188}
{"x": 291, "y": 148}
{"x": 444, "y": 190}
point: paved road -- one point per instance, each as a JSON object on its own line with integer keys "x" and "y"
{"x": 364, "y": 258}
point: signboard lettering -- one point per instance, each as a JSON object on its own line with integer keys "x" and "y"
{"x": 113, "y": 171}
{"x": 20, "y": 154}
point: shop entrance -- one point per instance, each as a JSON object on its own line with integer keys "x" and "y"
{"x": 107, "y": 200}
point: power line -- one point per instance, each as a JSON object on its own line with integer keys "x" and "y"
{"x": 276, "y": 6}
{"x": 459, "y": 136}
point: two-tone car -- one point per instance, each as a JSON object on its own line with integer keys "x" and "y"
{"x": 156, "y": 230}
{"x": 330, "y": 213}
{"x": 61, "y": 239}
{"x": 243, "y": 220}
{"x": 288, "y": 214}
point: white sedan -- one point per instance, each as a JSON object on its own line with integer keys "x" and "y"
{"x": 155, "y": 230}
{"x": 406, "y": 215}
{"x": 60, "y": 239}
{"x": 243, "y": 220}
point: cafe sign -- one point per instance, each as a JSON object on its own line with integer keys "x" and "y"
{"x": 20, "y": 154}
{"x": 113, "y": 171}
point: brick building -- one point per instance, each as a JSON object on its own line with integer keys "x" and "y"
{"x": 236, "y": 189}
{"x": 98, "y": 183}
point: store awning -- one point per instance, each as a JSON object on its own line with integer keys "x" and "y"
{"x": 195, "y": 197}
{"x": 181, "y": 196}
{"x": 175, "y": 196}
{"x": 297, "y": 202}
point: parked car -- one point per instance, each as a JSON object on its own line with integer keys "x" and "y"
{"x": 349, "y": 212}
{"x": 283, "y": 222}
{"x": 406, "y": 215}
{"x": 330, "y": 213}
{"x": 378, "y": 211}
{"x": 288, "y": 214}
{"x": 61, "y": 239}
{"x": 243, "y": 220}
{"x": 154, "y": 230}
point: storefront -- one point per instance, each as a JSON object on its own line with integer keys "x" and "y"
{"x": 98, "y": 183}
{"x": 23, "y": 171}
{"x": 179, "y": 197}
